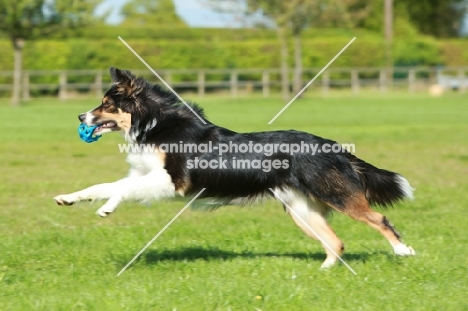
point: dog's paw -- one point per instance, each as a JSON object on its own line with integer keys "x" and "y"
{"x": 65, "y": 199}
{"x": 104, "y": 211}
{"x": 403, "y": 250}
{"x": 328, "y": 263}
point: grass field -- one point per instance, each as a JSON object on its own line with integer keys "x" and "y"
{"x": 66, "y": 258}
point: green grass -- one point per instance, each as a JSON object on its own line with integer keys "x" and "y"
{"x": 66, "y": 258}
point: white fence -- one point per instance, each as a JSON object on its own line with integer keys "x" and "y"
{"x": 71, "y": 83}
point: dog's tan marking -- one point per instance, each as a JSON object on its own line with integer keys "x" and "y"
{"x": 161, "y": 156}
{"x": 128, "y": 87}
{"x": 122, "y": 89}
{"x": 122, "y": 119}
{"x": 357, "y": 207}
{"x": 182, "y": 186}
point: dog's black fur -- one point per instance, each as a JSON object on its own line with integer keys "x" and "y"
{"x": 329, "y": 177}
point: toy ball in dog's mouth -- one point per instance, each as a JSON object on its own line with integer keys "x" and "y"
{"x": 87, "y": 133}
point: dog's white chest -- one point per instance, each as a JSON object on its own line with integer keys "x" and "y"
{"x": 146, "y": 162}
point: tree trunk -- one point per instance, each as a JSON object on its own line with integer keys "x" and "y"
{"x": 297, "y": 63}
{"x": 18, "y": 45}
{"x": 284, "y": 64}
{"x": 388, "y": 26}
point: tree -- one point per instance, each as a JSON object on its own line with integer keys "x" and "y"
{"x": 151, "y": 13}
{"x": 281, "y": 13}
{"x": 439, "y": 18}
{"x": 23, "y": 20}
{"x": 321, "y": 13}
{"x": 292, "y": 17}
{"x": 302, "y": 17}
{"x": 388, "y": 33}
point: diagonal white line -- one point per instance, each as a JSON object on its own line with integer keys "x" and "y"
{"x": 160, "y": 232}
{"x": 311, "y": 81}
{"x": 313, "y": 231}
{"x": 162, "y": 80}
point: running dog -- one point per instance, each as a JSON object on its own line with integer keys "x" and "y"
{"x": 308, "y": 185}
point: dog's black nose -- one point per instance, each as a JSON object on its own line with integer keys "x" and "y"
{"x": 82, "y": 117}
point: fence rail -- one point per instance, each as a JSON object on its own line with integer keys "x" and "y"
{"x": 71, "y": 83}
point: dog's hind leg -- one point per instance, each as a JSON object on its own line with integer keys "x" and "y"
{"x": 358, "y": 208}
{"x": 311, "y": 217}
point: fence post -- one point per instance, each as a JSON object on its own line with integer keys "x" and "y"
{"x": 434, "y": 75}
{"x": 234, "y": 83}
{"x": 168, "y": 76}
{"x": 98, "y": 82}
{"x": 25, "y": 85}
{"x": 63, "y": 85}
{"x": 383, "y": 81}
{"x": 201, "y": 83}
{"x": 461, "y": 79}
{"x": 325, "y": 82}
{"x": 266, "y": 83}
{"x": 355, "y": 81}
{"x": 411, "y": 80}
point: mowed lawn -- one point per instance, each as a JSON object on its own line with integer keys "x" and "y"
{"x": 67, "y": 258}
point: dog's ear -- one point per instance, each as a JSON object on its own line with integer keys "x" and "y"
{"x": 126, "y": 82}
{"x": 121, "y": 76}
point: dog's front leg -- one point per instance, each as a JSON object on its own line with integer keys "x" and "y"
{"x": 96, "y": 192}
{"x": 145, "y": 188}
{"x": 150, "y": 187}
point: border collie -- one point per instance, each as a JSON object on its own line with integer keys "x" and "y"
{"x": 308, "y": 185}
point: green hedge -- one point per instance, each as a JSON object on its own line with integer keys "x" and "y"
{"x": 454, "y": 52}
{"x": 94, "y": 48}
{"x": 201, "y": 34}
{"x": 101, "y": 54}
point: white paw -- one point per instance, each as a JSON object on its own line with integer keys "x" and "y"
{"x": 403, "y": 250}
{"x": 104, "y": 211}
{"x": 328, "y": 263}
{"x": 66, "y": 199}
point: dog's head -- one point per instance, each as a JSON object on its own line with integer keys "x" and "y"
{"x": 123, "y": 107}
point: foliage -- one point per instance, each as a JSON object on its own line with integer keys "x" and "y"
{"x": 292, "y": 17}
{"x": 454, "y": 52}
{"x": 328, "y": 13}
{"x": 29, "y": 19}
{"x": 168, "y": 32}
{"x": 151, "y": 13}
{"x": 441, "y": 18}
{"x": 23, "y": 20}
{"x": 296, "y": 13}
{"x": 164, "y": 54}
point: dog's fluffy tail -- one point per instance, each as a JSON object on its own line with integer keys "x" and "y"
{"x": 383, "y": 188}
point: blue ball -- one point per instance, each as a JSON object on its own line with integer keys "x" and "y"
{"x": 86, "y": 133}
